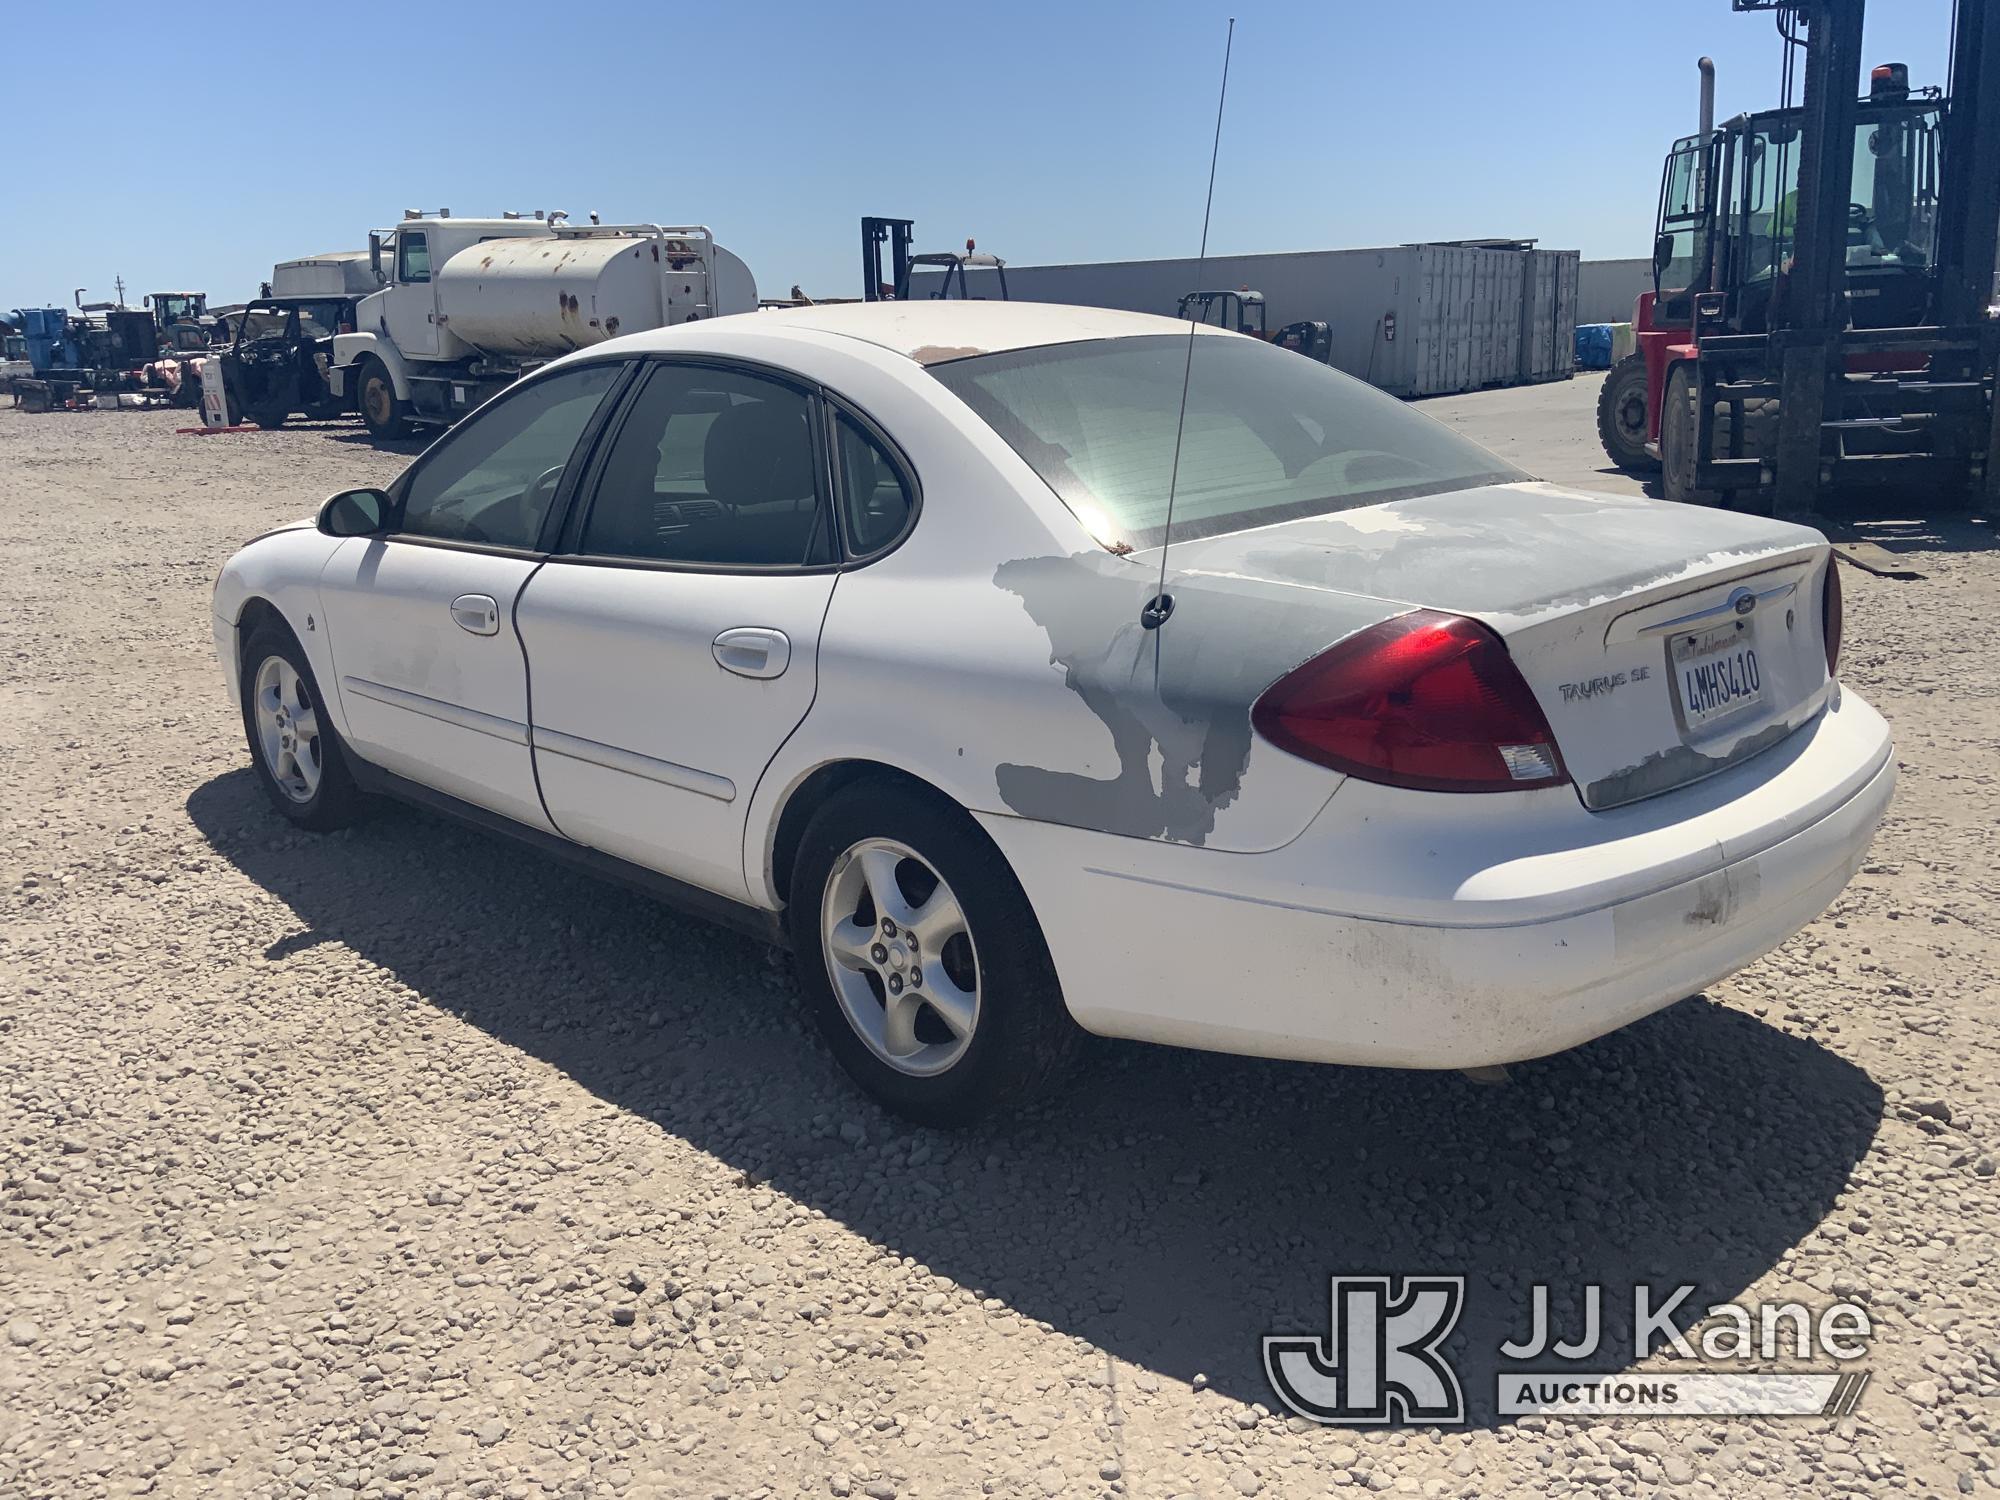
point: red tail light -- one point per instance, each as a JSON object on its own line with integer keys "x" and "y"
{"x": 1830, "y": 614}
{"x": 1425, "y": 700}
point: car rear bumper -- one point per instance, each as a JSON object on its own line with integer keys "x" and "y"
{"x": 1452, "y": 932}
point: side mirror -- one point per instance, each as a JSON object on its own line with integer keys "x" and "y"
{"x": 356, "y": 513}
{"x": 1663, "y": 253}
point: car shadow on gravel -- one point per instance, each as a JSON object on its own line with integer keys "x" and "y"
{"x": 360, "y": 437}
{"x": 1169, "y": 1207}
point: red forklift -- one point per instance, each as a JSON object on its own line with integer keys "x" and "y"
{"x": 1819, "y": 320}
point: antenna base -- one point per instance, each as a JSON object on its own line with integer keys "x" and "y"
{"x": 1159, "y": 609}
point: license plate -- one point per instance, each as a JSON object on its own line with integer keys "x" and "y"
{"x": 1718, "y": 674}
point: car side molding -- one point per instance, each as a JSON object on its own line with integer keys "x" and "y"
{"x": 632, "y": 763}
{"x": 436, "y": 708}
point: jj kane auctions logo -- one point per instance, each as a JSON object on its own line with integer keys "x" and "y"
{"x": 1381, "y": 1358}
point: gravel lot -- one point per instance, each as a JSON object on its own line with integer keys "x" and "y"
{"x": 398, "y": 1163}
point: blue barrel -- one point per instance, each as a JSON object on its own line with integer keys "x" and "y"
{"x": 1593, "y": 346}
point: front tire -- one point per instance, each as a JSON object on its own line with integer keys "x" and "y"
{"x": 1678, "y": 431}
{"x": 297, "y": 754}
{"x": 382, "y": 412}
{"x": 1621, "y": 415}
{"x": 921, "y": 960}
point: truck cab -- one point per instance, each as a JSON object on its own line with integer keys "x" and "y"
{"x": 407, "y": 259}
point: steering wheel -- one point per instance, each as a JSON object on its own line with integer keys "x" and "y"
{"x": 1858, "y": 217}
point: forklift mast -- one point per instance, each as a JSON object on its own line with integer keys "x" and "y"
{"x": 896, "y": 234}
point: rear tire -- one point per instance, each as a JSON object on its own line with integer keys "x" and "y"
{"x": 297, "y": 754}
{"x": 983, "y": 1025}
{"x": 386, "y": 416}
{"x": 270, "y": 419}
{"x": 1621, "y": 415}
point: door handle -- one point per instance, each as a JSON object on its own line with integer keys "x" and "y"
{"x": 753, "y": 651}
{"x": 477, "y": 613}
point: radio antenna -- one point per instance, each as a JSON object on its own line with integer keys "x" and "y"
{"x": 1161, "y": 605}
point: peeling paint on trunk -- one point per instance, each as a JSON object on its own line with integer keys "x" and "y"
{"x": 1666, "y": 769}
{"x": 1505, "y": 553}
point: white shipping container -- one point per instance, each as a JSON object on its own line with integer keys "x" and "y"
{"x": 1416, "y": 320}
{"x": 1607, "y": 289}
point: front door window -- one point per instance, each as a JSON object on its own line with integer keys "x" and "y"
{"x": 492, "y": 480}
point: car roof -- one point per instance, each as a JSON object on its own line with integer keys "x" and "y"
{"x": 931, "y": 332}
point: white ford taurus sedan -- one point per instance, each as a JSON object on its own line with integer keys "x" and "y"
{"x": 847, "y": 623}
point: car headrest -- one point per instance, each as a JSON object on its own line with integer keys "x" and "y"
{"x": 759, "y": 451}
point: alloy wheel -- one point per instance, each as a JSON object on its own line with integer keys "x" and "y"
{"x": 287, "y": 728}
{"x": 900, "y": 956}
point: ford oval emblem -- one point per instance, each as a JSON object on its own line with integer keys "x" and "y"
{"x": 1743, "y": 601}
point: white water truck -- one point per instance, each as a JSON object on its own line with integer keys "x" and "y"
{"x": 468, "y": 306}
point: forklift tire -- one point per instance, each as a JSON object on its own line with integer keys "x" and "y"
{"x": 1677, "y": 439}
{"x": 382, "y": 413}
{"x": 1621, "y": 415}
{"x": 271, "y": 418}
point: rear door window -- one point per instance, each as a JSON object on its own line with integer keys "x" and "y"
{"x": 712, "y": 467}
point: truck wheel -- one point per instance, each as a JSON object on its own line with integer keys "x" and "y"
{"x": 384, "y": 415}
{"x": 271, "y": 418}
{"x": 1621, "y": 415}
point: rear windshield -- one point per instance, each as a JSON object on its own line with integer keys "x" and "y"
{"x": 1270, "y": 436}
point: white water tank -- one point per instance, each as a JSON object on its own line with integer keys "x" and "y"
{"x": 541, "y": 297}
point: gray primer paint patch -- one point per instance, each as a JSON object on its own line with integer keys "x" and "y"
{"x": 1184, "y": 691}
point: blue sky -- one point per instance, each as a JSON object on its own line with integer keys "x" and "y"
{"x": 1052, "y": 132}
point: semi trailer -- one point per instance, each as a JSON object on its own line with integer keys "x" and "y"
{"x": 468, "y": 306}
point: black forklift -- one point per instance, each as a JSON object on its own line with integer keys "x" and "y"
{"x": 1242, "y": 311}
{"x": 896, "y": 235}
{"x": 277, "y": 366}
{"x": 1823, "y": 276}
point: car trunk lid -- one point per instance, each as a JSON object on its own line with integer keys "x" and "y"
{"x": 1663, "y": 642}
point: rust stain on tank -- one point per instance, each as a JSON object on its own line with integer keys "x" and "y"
{"x": 611, "y": 327}
{"x": 569, "y": 305}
